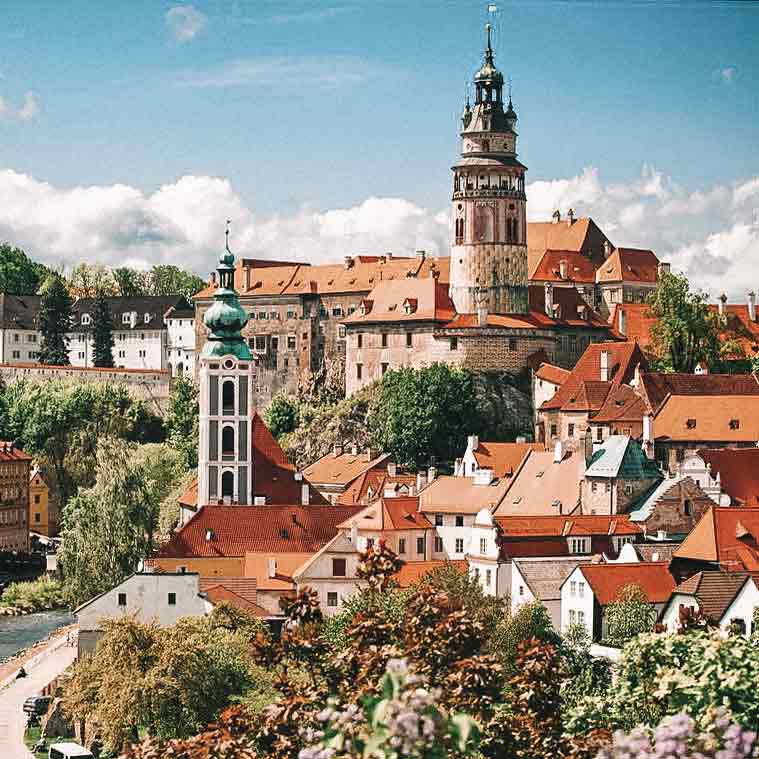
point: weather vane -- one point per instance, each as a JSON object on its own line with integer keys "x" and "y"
{"x": 226, "y": 235}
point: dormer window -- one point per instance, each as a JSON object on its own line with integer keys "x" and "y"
{"x": 409, "y": 306}
{"x": 735, "y": 424}
{"x": 691, "y": 424}
{"x": 147, "y": 318}
{"x": 86, "y": 319}
{"x": 125, "y": 318}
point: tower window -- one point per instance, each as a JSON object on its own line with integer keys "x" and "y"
{"x": 486, "y": 146}
{"x": 228, "y": 398}
{"x": 227, "y": 484}
{"x": 228, "y": 443}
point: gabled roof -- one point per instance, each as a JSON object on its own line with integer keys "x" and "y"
{"x": 721, "y": 418}
{"x": 412, "y": 571}
{"x": 670, "y": 489}
{"x": 656, "y": 386}
{"x": 725, "y": 535}
{"x": 621, "y": 405}
{"x": 220, "y": 593}
{"x": 545, "y": 575}
{"x": 389, "y": 514}
{"x": 608, "y": 580}
{"x": 621, "y": 456}
{"x": 231, "y": 531}
{"x": 553, "y": 374}
{"x": 579, "y": 268}
{"x": 19, "y": 311}
{"x": 714, "y": 591}
{"x": 373, "y": 483}
{"x": 738, "y": 469}
{"x": 566, "y": 526}
{"x": 460, "y": 495}
{"x": 623, "y": 358}
{"x": 580, "y": 235}
{"x": 11, "y": 452}
{"x": 568, "y": 304}
{"x": 152, "y": 306}
{"x": 342, "y": 469}
{"x": 503, "y": 458}
{"x": 629, "y": 265}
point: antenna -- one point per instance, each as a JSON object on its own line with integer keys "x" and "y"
{"x": 509, "y": 89}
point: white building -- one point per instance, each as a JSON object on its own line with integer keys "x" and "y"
{"x": 545, "y": 383}
{"x": 728, "y": 599}
{"x": 19, "y": 335}
{"x": 163, "y": 597}
{"x": 483, "y": 555}
{"x": 180, "y": 323}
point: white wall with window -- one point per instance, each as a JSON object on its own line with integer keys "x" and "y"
{"x": 577, "y": 602}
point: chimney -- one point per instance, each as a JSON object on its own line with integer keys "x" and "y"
{"x": 431, "y": 474}
{"x": 354, "y": 449}
{"x": 752, "y": 306}
{"x": 389, "y": 256}
{"x": 483, "y": 477}
{"x": 556, "y": 216}
{"x": 622, "y": 321}
{"x": 473, "y": 442}
{"x": 521, "y": 440}
{"x": 563, "y": 264}
{"x": 588, "y": 446}
{"x": 421, "y": 254}
{"x": 648, "y": 435}
{"x": 392, "y": 469}
{"x": 607, "y": 249}
{"x": 549, "y": 299}
{"x": 348, "y": 262}
{"x": 421, "y": 481}
{"x": 305, "y": 494}
{"x": 482, "y": 314}
{"x": 604, "y": 366}
{"x": 570, "y": 217}
{"x": 271, "y": 567}
{"x": 558, "y": 452}
{"x": 458, "y": 466}
{"x": 354, "y": 534}
{"x": 370, "y": 453}
{"x": 662, "y": 269}
{"x": 722, "y": 304}
{"x": 635, "y": 382}
{"x": 337, "y": 450}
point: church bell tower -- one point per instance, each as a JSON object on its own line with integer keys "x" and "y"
{"x": 489, "y": 215}
{"x": 227, "y": 374}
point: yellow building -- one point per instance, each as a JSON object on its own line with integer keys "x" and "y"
{"x": 42, "y": 516}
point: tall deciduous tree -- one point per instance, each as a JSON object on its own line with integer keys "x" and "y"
{"x": 129, "y": 282}
{"x": 630, "y": 615}
{"x": 19, "y": 275}
{"x": 182, "y": 420}
{"x": 55, "y": 322}
{"x": 686, "y": 329}
{"x": 166, "y": 279}
{"x": 88, "y": 280}
{"x": 102, "y": 332}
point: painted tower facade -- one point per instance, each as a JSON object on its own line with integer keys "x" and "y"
{"x": 226, "y": 374}
{"x": 489, "y": 253}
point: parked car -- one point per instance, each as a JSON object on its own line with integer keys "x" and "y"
{"x": 68, "y": 751}
{"x": 37, "y": 705}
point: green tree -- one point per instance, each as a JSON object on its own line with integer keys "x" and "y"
{"x": 55, "y": 321}
{"x": 108, "y": 528}
{"x": 629, "y": 615}
{"x": 129, "y": 282}
{"x": 529, "y": 621}
{"x": 418, "y": 415}
{"x": 686, "y": 330}
{"x": 166, "y": 279}
{"x": 90, "y": 280}
{"x": 19, "y": 275}
{"x": 281, "y": 415}
{"x": 182, "y": 419}
{"x": 103, "y": 332}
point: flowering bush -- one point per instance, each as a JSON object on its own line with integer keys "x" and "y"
{"x": 677, "y": 737}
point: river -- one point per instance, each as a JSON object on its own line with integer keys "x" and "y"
{"x": 17, "y": 633}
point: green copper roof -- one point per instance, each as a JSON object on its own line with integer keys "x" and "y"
{"x": 226, "y": 317}
{"x": 621, "y": 456}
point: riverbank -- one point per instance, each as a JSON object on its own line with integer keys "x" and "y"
{"x": 10, "y": 665}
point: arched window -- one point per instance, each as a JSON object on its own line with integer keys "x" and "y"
{"x": 486, "y": 146}
{"x": 228, "y": 443}
{"x": 228, "y": 398}
{"x": 227, "y": 484}
{"x": 180, "y": 370}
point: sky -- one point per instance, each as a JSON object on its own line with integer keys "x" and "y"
{"x": 130, "y": 132}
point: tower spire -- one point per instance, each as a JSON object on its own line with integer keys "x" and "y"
{"x": 488, "y": 48}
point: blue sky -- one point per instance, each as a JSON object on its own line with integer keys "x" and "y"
{"x": 314, "y": 107}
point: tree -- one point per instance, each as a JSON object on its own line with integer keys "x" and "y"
{"x": 166, "y": 279}
{"x": 103, "y": 332}
{"x": 421, "y": 415}
{"x": 182, "y": 419}
{"x": 281, "y": 415}
{"x": 529, "y": 621}
{"x": 19, "y": 275}
{"x": 90, "y": 280}
{"x": 108, "y": 528}
{"x": 129, "y": 282}
{"x": 628, "y": 616}
{"x": 55, "y": 322}
{"x": 686, "y": 330}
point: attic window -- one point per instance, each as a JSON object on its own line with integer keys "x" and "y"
{"x": 691, "y": 424}
{"x": 284, "y": 534}
{"x": 85, "y": 319}
{"x": 735, "y": 424}
{"x": 517, "y": 500}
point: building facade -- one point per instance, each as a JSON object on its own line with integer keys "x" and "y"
{"x": 14, "y": 498}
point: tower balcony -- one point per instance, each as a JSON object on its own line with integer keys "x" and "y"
{"x": 489, "y": 192}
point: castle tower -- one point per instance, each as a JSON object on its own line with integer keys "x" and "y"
{"x": 489, "y": 252}
{"x": 227, "y": 373}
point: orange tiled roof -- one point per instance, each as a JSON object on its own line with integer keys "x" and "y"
{"x": 629, "y": 265}
{"x": 189, "y": 498}
{"x": 503, "y": 458}
{"x": 714, "y": 417}
{"x": 724, "y": 535}
{"x": 342, "y": 469}
{"x": 232, "y": 531}
{"x": 579, "y": 268}
{"x": 222, "y": 594}
{"x": 714, "y": 591}
{"x": 622, "y": 404}
{"x": 9, "y": 452}
{"x": 406, "y": 300}
{"x": 738, "y": 469}
{"x": 246, "y": 587}
{"x": 389, "y": 514}
{"x": 553, "y": 374}
{"x": 566, "y": 526}
{"x": 607, "y": 580}
{"x": 373, "y": 483}
{"x": 656, "y": 386}
{"x": 412, "y": 571}
{"x": 581, "y": 236}
{"x": 623, "y": 358}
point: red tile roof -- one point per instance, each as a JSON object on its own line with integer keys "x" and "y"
{"x": 345, "y": 468}
{"x": 579, "y": 268}
{"x": 727, "y": 536}
{"x": 231, "y": 531}
{"x": 413, "y": 571}
{"x": 503, "y": 458}
{"x": 222, "y": 594}
{"x": 373, "y": 483}
{"x": 738, "y": 469}
{"x": 553, "y": 374}
{"x": 389, "y": 514}
{"x": 622, "y": 404}
{"x": 566, "y": 526}
{"x": 582, "y": 235}
{"x": 655, "y": 386}
{"x": 714, "y": 591}
{"x": 9, "y": 452}
{"x": 629, "y": 265}
{"x": 246, "y": 587}
{"x": 623, "y": 358}
{"x": 708, "y": 418}
{"x": 608, "y": 580}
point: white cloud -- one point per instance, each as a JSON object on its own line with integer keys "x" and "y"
{"x": 726, "y": 75}
{"x": 711, "y": 234}
{"x": 328, "y": 72}
{"x": 29, "y": 109}
{"x": 184, "y": 22}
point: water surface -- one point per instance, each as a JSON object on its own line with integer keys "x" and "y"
{"x": 21, "y": 632}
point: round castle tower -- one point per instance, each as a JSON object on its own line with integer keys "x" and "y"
{"x": 489, "y": 252}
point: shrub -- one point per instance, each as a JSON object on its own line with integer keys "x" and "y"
{"x": 39, "y": 595}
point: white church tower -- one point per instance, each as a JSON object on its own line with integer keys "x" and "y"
{"x": 227, "y": 373}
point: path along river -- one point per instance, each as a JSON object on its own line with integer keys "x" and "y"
{"x": 17, "y": 633}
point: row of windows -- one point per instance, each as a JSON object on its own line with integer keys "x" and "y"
{"x": 488, "y": 576}
{"x": 576, "y": 617}
{"x": 577, "y": 588}
{"x": 30, "y": 338}
{"x": 323, "y": 312}
{"x": 171, "y": 599}
{"x": 31, "y": 355}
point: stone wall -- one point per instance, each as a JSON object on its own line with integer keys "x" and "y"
{"x": 152, "y": 386}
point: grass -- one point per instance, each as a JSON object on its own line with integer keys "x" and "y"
{"x": 31, "y": 736}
